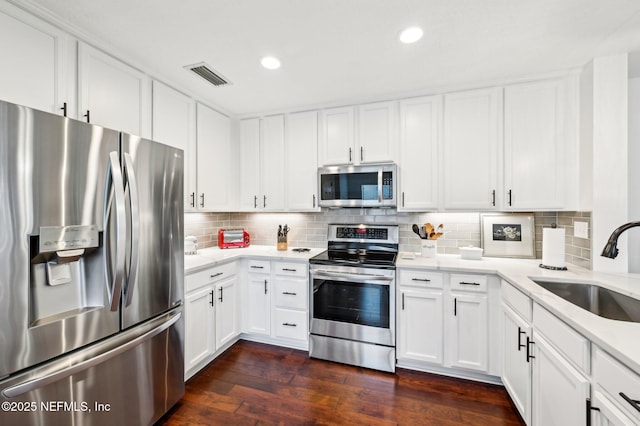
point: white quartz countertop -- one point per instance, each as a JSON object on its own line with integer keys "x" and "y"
{"x": 621, "y": 339}
{"x": 213, "y": 256}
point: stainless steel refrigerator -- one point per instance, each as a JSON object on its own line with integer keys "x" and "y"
{"x": 91, "y": 273}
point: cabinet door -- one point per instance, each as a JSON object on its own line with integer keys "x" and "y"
{"x": 272, "y": 164}
{"x": 337, "y": 141}
{"x": 37, "y": 62}
{"x": 116, "y": 95}
{"x": 419, "y": 139}
{"x": 249, "y": 163}
{"x": 470, "y": 143}
{"x": 214, "y": 160}
{"x": 226, "y": 311}
{"x": 199, "y": 330}
{"x": 258, "y": 306}
{"x": 469, "y": 331}
{"x": 420, "y": 328}
{"x": 559, "y": 390}
{"x": 533, "y": 145}
{"x": 377, "y": 135}
{"x": 516, "y": 369}
{"x": 302, "y": 161}
{"x": 174, "y": 124}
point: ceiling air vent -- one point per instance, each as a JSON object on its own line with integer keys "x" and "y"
{"x": 206, "y": 72}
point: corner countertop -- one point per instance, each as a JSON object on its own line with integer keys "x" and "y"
{"x": 621, "y": 339}
{"x": 213, "y": 256}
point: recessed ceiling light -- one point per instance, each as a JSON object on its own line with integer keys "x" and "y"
{"x": 270, "y": 63}
{"x": 411, "y": 35}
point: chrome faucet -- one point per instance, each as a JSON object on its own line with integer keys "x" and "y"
{"x": 610, "y": 249}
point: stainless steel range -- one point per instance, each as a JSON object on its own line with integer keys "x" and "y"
{"x": 352, "y": 311}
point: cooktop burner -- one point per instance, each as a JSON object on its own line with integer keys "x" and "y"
{"x": 373, "y": 246}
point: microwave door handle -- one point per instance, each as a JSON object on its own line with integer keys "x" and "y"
{"x": 380, "y": 185}
{"x": 134, "y": 204}
{"x": 114, "y": 180}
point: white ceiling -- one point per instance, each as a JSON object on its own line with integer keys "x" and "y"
{"x": 342, "y": 51}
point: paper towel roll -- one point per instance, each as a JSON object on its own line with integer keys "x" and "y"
{"x": 553, "y": 247}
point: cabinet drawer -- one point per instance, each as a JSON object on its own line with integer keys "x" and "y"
{"x": 259, "y": 266}
{"x": 291, "y": 269}
{"x": 517, "y": 300}
{"x": 574, "y": 346}
{"x": 426, "y": 279}
{"x": 291, "y": 293}
{"x": 197, "y": 280}
{"x": 616, "y": 378}
{"x": 290, "y": 324}
{"x": 465, "y": 282}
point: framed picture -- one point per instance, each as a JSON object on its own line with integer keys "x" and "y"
{"x": 508, "y": 235}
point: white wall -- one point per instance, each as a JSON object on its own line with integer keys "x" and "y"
{"x": 610, "y": 158}
{"x": 634, "y": 173}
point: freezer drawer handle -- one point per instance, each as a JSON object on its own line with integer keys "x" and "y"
{"x": 30, "y": 385}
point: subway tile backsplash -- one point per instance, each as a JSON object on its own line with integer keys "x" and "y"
{"x": 310, "y": 229}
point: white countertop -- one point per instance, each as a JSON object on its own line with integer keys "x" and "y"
{"x": 621, "y": 339}
{"x": 213, "y": 256}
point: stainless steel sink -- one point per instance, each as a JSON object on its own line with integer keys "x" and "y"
{"x": 593, "y": 298}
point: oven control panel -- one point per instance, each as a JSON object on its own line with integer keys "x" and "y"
{"x": 348, "y": 232}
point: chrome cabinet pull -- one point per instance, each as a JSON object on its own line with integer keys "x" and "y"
{"x": 421, "y": 279}
{"x": 361, "y": 153}
{"x": 264, "y": 202}
{"x": 493, "y": 198}
{"x": 288, "y": 324}
{"x": 220, "y": 298}
{"x": 289, "y": 269}
{"x": 509, "y": 197}
{"x": 193, "y": 199}
{"x": 88, "y": 115}
{"x": 255, "y": 201}
{"x": 349, "y": 154}
{"x": 468, "y": 283}
{"x": 265, "y": 286}
{"x": 633, "y": 402}
{"x": 212, "y": 296}
{"x": 64, "y": 109}
{"x": 202, "y": 200}
{"x": 257, "y": 267}
{"x": 217, "y": 274}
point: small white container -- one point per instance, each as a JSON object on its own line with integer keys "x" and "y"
{"x": 190, "y": 245}
{"x": 471, "y": 253}
{"x": 429, "y": 248}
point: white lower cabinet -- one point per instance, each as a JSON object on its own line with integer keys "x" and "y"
{"x": 560, "y": 391}
{"x": 211, "y": 314}
{"x": 277, "y": 305}
{"x": 443, "y": 324}
{"x": 516, "y": 365}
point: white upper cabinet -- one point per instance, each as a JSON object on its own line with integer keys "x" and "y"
{"x": 376, "y": 132}
{"x": 38, "y": 63}
{"x": 419, "y": 140}
{"x": 470, "y": 143}
{"x": 262, "y": 166}
{"x": 337, "y": 136}
{"x": 533, "y": 146}
{"x": 173, "y": 123}
{"x": 213, "y": 134}
{"x": 112, "y": 94}
{"x": 249, "y": 163}
{"x": 302, "y": 161}
{"x": 272, "y": 164}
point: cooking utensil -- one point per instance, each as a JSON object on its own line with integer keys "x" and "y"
{"x": 416, "y": 230}
{"x": 429, "y": 228}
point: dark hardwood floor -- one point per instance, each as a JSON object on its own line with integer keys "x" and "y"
{"x": 256, "y": 384}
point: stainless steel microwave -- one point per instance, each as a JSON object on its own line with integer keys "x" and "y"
{"x": 371, "y": 185}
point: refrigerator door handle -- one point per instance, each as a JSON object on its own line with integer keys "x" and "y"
{"x": 33, "y": 384}
{"x": 114, "y": 179}
{"x": 134, "y": 204}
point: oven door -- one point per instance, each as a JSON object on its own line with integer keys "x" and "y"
{"x": 354, "y": 306}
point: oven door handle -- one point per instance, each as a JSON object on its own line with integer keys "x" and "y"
{"x": 354, "y": 278}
